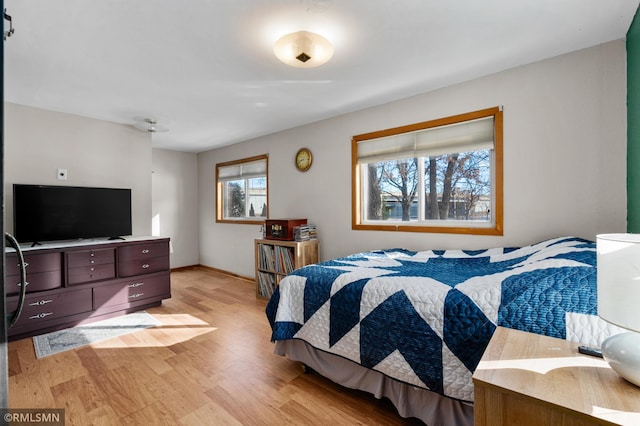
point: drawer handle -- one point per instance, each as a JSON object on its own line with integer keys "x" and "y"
{"x": 145, "y": 266}
{"x": 92, "y": 254}
{"x": 92, "y": 261}
{"x": 135, "y": 296}
{"x": 25, "y": 264}
{"x": 40, "y": 303}
{"x": 134, "y": 285}
{"x": 145, "y": 251}
{"x": 26, "y": 283}
{"x": 42, "y": 315}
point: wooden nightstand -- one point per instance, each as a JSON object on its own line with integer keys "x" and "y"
{"x": 529, "y": 379}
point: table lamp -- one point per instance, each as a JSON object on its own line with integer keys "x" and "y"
{"x": 619, "y": 300}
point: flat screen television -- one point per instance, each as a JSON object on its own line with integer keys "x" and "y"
{"x": 52, "y": 213}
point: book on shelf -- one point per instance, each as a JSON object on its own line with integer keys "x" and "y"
{"x": 305, "y": 232}
{"x": 266, "y": 284}
{"x": 285, "y": 261}
{"x": 267, "y": 257}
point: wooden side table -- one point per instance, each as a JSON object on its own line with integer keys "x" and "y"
{"x": 529, "y": 379}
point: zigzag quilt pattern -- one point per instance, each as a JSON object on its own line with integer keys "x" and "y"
{"x": 425, "y": 318}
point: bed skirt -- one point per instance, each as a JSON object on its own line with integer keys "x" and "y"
{"x": 410, "y": 401}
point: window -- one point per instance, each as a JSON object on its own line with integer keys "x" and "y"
{"x": 242, "y": 195}
{"x": 437, "y": 176}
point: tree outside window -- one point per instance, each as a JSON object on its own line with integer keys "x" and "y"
{"x": 242, "y": 192}
{"x": 439, "y": 176}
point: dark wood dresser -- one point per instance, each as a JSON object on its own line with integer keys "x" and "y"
{"x": 80, "y": 282}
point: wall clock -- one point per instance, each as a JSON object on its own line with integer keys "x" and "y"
{"x": 303, "y": 159}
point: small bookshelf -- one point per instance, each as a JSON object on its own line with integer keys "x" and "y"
{"x": 276, "y": 259}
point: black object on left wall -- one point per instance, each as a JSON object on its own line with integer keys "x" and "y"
{"x": 12, "y": 317}
{"x": 4, "y": 368}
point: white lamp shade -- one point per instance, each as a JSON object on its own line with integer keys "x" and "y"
{"x": 303, "y": 49}
{"x": 619, "y": 279}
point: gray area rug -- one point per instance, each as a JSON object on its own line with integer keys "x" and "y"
{"x": 71, "y": 338}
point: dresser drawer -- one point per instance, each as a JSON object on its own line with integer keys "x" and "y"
{"x": 129, "y": 268}
{"x": 143, "y": 251}
{"x": 90, "y": 273}
{"x": 50, "y": 306}
{"x": 76, "y": 259}
{"x": 131, "y": 291}
{"x": 37, "y": 263}
{"x": 38, "y": 281}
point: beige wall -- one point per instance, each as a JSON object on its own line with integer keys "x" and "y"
{"x": 174, "y": 212}
{"x": 94, "y": 152}
{"x": 100, "y": 153}
{"x": 564, "y": 147}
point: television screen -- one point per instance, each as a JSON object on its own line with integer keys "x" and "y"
{"x": 52, "y": 213}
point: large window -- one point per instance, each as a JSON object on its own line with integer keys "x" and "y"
{"x": 438, "y": 176}
{"x": 242, "y": 195}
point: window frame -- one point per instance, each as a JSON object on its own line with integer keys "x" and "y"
{"x": 220, "y": 191}
{"x": 494, "y": 228}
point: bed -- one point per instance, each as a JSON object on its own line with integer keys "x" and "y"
{"x": 412, "y": 326}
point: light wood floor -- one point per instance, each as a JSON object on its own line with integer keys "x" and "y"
{"x": 209, "y": 363}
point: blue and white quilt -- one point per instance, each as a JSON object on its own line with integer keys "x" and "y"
{"x": 425, "y": 318}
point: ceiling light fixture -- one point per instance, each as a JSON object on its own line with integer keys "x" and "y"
{"x": 303, "y": 49}
{"x": 150, "y": 125}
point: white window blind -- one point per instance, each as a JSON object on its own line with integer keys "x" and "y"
{"x": 248, "y": 170}
{"x": 472, "y": 135}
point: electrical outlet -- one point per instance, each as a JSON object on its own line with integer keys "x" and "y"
{"x": 62, "y": 174}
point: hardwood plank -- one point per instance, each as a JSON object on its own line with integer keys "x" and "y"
{"x": 210, "y": 360}
{"x": 203, "y": 416}
{"x": 155, "y": 414}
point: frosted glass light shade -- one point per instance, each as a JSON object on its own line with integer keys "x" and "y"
{"x": 303, "y": 49}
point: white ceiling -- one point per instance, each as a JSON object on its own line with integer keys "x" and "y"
{"x": 205, "y": 68}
